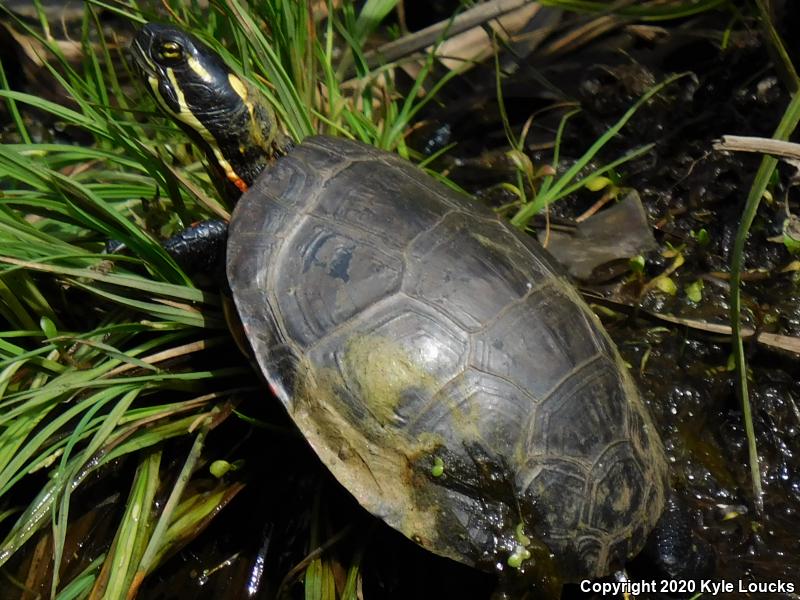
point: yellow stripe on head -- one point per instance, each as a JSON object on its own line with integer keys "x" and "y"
{"x": 198, "y": 68}
{"x": 186, "y": 116}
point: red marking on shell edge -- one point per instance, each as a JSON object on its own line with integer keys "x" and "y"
{"x": 238, "y": 182}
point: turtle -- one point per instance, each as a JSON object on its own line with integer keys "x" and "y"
{"x": 436, "y": 359}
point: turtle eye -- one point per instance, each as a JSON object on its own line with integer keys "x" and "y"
{"x": 170, "y": 51}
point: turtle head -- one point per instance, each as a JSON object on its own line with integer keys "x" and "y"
{"x": 225, "y": 115}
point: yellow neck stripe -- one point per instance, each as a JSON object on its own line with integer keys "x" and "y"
{"x": 185, "y": 115}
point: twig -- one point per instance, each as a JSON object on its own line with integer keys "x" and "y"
{"x": 776, "y": 341}
{"x": 743, "y": 143}
{"x": 425, "y": 37}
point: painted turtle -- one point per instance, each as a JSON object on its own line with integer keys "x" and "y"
{"x": 436, "y": 360}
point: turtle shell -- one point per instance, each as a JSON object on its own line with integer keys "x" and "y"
{"x": 440, "y": 365}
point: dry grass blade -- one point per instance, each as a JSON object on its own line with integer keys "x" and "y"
{"x": 775, "y": 341}
{"x": 742, "y": 143}
{"x": 472, "y": 18}
{"x": 294, "y": 573}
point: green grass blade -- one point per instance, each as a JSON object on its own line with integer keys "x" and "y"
{"x": 133, "y": 532}
{"x": 788, "y": 124}
{"x": 528, "y": 211}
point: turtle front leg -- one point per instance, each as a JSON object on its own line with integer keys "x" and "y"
{"x": 200, "y": 249}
